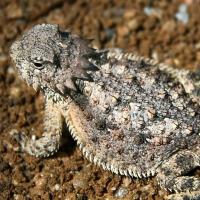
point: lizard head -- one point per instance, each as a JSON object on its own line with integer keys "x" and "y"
{"x": 48, "y": 58}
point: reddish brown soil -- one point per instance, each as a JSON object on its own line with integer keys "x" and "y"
{"x": 68, "y": 175}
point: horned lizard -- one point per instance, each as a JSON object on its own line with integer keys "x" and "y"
{"x": 128, "y": 114}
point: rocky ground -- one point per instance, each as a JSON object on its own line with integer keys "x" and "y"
{"x": 124, "y": 24}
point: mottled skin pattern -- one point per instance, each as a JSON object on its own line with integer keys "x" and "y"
{"x": 128, "y": 114}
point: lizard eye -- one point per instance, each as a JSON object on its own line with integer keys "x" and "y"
{"x": 38, "y": 65}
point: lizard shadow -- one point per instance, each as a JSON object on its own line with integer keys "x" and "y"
{"x": 68, "y": 144}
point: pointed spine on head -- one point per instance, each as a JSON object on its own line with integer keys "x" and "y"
{"x": 75, "y": 57}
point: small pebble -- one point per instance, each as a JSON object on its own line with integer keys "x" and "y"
{"x": 182, "y": 14}
{"x": 121, "y": 193}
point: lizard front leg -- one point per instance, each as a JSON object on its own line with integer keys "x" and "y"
{"x": 49, "y": 142}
